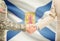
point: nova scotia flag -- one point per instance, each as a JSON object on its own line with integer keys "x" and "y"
{"x": 16, "y": 12}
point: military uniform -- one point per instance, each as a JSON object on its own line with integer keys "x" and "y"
{"x": 6, "y": 24}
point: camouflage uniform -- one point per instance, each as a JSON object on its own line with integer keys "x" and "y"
{"x": 6, "y": 24}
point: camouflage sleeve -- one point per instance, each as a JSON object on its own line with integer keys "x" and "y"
{"x": 3, "y": 11}
{"x": 9, "y": 25}
{"x": 3, "y": 14}
{"x": 5, "y": 23}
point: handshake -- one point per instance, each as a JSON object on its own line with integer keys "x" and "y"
{"x": 31, "y": 28}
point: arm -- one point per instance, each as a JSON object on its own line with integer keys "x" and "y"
{"x": 9, "y": 25}
{"x": 47, "y": 20}
{"x": 5, "y": 23}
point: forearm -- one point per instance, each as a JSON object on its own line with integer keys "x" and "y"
{"x": 46, "y": 21}
{"x": 49, "y": 19}
{"x": 8, "y": 25}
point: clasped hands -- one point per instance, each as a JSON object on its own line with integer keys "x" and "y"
{"x": 30, "y": 28}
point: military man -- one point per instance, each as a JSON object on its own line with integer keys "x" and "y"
{"x": 6, "y": 24}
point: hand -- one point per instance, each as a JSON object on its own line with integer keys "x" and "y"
{"x": 30, "y": 28}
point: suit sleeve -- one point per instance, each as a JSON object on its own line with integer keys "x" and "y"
{"x": 49, "y": 19}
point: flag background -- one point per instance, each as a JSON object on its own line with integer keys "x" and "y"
{"x": 16, "y": 12}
